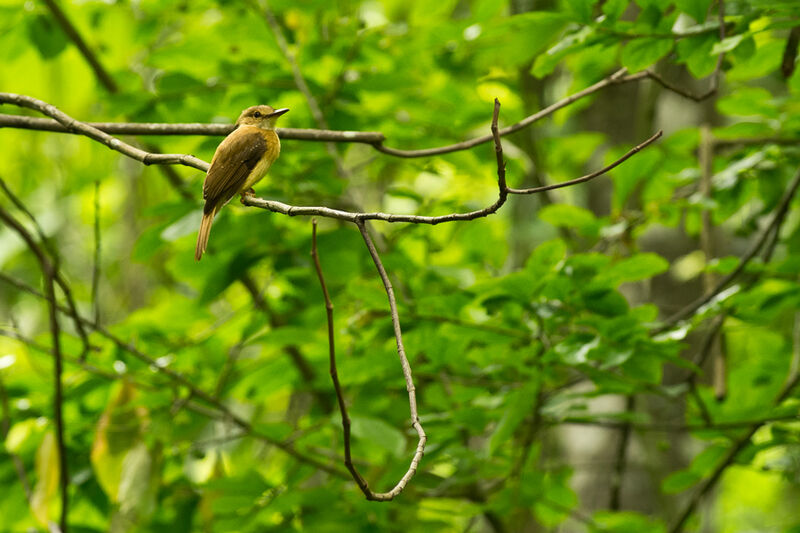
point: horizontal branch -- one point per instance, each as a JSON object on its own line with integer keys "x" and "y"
{"x": 82, "y": 128}
{"x": 190, "y": 128}
{"x": 376, "y": 139}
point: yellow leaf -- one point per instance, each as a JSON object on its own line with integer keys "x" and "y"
{"x": 44, "y": 500}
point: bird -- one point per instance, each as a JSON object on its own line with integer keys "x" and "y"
{"x": 240, "y": 161}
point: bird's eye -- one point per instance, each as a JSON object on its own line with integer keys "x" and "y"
{"x": 257, "y": 114}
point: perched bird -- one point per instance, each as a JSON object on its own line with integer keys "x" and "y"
{"x": 241, "y": 159}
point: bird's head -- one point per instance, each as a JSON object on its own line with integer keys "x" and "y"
{"x": 261, "y": 116}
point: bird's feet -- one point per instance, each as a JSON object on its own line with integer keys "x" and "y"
{"x": 249, "y": 193}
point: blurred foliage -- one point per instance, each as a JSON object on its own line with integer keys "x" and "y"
{"x": 516, "y": 325}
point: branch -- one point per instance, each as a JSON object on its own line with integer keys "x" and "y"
{"x": 780, "y": 213}
{"x": 49, "y": 274}
{"x": 69, "y": 29}
{"x": 376, "y": 139}
{"x": 348, "y": 461}
{"x": 729, "y": 458}
{"x": 82, "y": 128}
{"x": 412, "y": 397}
{"x": 190, "y": 128}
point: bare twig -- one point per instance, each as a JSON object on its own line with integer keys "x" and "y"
{"x": 196, "y": 128}
{"x": 401, "y": 353}
{"x": 82, "y": 128}
{"x": 348, "y": 460}
{"x": 376, "y": 139}
{"x": 715, "y": 76}
{"x": 503, "y": 191}
{"x": 97, "y": 245}
{"x": 777, "y": 219}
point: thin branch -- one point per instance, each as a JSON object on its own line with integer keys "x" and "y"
{"x": 348, "y": 460}
{"x": 633, "y": 151}
{"x": 97, "y": 246}
{"x": 71, "y": 31}
{"x": 82, "y": 128}
{"x": 672, "y": 428}
{"x": 412, "y": 397}
{"x": 620, "y": 459}
{"x": 376, "y": 139}
{"x": 190, "y": 128}
{"x": 300, "y": 83}
{"x": 729, "y": 458}
{"x": 715, "y": 75}
{"x": 49, "y": 274}
{"x": 503, "y": 191}
{"x": 777, "y": 219}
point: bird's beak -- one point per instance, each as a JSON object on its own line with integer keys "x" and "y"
{"x": 278, "y": 112}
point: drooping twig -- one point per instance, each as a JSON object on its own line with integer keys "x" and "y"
{"x": 348, "y": 460}
{"x": 401, "y": 353}
{"x": 49, "y": 273}
{"x": 715, "y": 75}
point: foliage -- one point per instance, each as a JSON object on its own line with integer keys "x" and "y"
{"x": 524, "y": 329}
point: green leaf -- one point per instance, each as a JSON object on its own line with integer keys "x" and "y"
{"x": 697, "y": 9}
{"x": 376, "y": 432}
{"x": 615, "y": 8}
{"x": 696, "y": 53}
{"x": 570, "y": 216}
{"x": 625, "y": 522}
{"x": 44, "y": 499}
{"x": 641, "y": 53}
{"x": 45, "y": 34}
{"x": 680, "y": 481}
{"x": 634, "y": 268}
{"x": 748, "y": 101}
{"x": 517, "y": 406}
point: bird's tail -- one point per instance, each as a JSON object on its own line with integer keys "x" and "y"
{"x": 202, "y": 235}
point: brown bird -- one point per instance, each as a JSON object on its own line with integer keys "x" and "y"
{"x": 241, "y": 160}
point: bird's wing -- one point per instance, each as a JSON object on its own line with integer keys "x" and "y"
{"x": 235, "y": 157}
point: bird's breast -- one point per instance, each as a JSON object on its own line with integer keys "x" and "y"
{"x": 261, "y": 168}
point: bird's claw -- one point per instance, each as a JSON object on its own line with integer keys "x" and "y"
{"x": 249, "y": 193}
